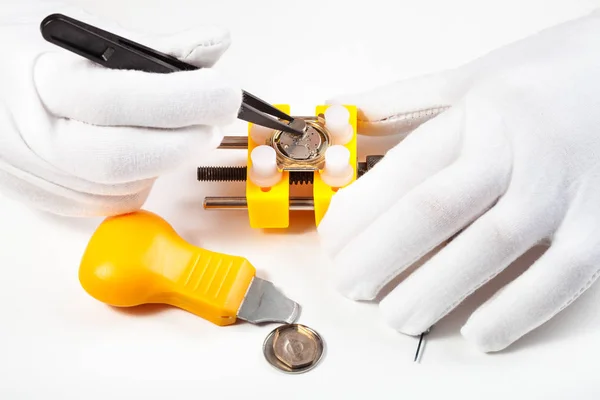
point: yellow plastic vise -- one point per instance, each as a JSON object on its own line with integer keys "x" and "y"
{"x": 270, "y": 207}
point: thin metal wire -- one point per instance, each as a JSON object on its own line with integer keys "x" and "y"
{"x": 421, "y": 345}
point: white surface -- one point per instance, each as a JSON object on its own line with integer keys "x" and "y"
{"x": 57, "y": 342}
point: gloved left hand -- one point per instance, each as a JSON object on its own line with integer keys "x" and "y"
{"x": 80, "y": 139}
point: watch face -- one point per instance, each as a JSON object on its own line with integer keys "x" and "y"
{"x": 300, "y": 153}
{"x": 305, "y": 147}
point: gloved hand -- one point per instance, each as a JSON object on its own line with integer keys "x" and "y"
{"x": 506, "y": 154}
{"x": 80, "y": 139}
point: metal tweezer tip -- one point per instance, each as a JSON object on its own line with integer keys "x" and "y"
{"x": 264, "y": 303}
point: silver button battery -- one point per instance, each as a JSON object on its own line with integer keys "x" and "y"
{"x": 293, "y": 348}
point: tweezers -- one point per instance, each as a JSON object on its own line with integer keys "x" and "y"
{"x": 116, "y": 52}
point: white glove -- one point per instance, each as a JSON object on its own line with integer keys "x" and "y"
{"x": 512, "y": 158}
{"x": 80, "y": 139}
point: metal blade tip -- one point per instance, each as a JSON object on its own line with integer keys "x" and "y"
{"x": 264, "y": 303}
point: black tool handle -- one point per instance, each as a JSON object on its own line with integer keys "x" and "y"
{"x": 106, "y": 48}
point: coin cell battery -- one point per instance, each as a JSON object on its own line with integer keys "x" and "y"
{"x": 337, "y": 171}
{"x": 264, "y": 171}
{"x": 293, "y": 348}
{"x": 337, "y": 122}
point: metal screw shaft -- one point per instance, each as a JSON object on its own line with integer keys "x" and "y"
{"x": 223, "y": 174}
{"x": 238, "y": 174}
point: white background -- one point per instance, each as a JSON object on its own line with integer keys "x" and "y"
{"x": 57, "y": 342}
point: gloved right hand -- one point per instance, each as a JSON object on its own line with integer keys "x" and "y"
{"x": 79, "y": 139}
{"x": 507, "y": 158}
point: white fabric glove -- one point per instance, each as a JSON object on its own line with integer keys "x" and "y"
{"x": 511, "y": 156}
{"x": 80, "y": 139}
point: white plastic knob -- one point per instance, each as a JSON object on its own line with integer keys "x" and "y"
{"x": 337, "y": 121}
{"x": 264, "y": 172}
{"x": 260, "y": 134}
{"x": 337, "y": 171}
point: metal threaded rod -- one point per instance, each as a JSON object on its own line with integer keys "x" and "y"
{"x": 223, "y": 174}
{"x": 239, "y": 174}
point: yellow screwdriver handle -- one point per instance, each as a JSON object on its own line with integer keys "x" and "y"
{"x": 138, "y": 258}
